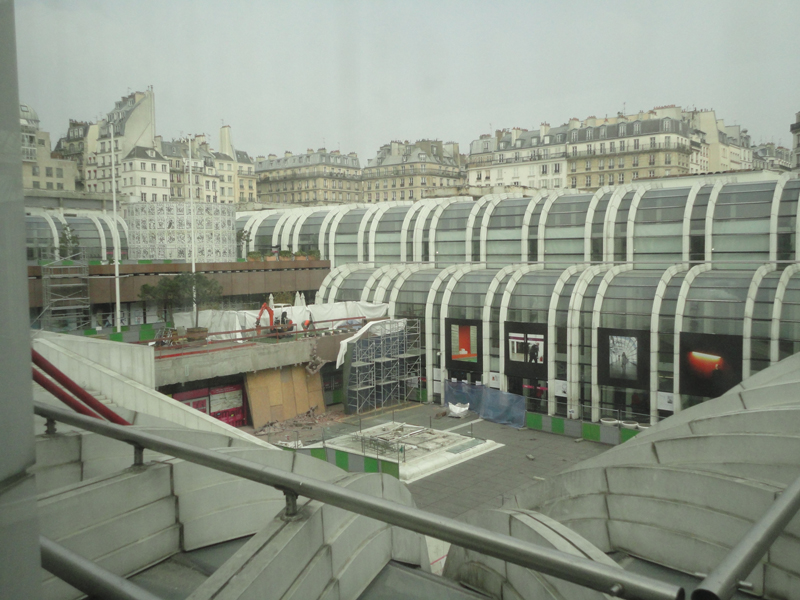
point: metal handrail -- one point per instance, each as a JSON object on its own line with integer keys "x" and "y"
{"x": 578, "y": 570}
{"x": 87, "y": 576}
{"x": 727, "y": 576}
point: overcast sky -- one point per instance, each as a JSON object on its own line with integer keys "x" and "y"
{"x": 355, "y": 75}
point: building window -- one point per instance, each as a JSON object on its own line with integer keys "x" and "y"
{"x": 601, "y": 164}
{"x": 574, "y": 151}
{"x": 557, "y": 168}
{"x": 652, "y": 142}
{"x": 48, "y": 171}
{"x": 621, "y": 131}
{"x": 588, "y": 165}
{"x": 667, "y": 125}
{"x": 163, "y": 197}
{"x": 635, "y": 175}
{"x": 635, "y": 161}
{"x": 635, "y": 144}
{"x": 59, "y": 172}
{"x": 668, "y": 159}
{"x": 35, "y": 171}
{"x": 621, "y": 163}
{"x": 588, "y": 181}
{"x": 36, "y": 185}
{"x": 574, "y": 182}
{"x": 143, "y": 166}
{"x": 544, "y": 169}
{"x": 144, "y": 197}
{"x": 651, "y": 174}
{"x": 637, "y": 128}
{"x": 573, "y": 166}
{"x": 154, "y": 182}
{"x": 610, "y": 163}
{"x": 621, "y": 178}
{"x": 602, "y": 180}
{"x": 589, "y": 134}
{"x": 667, "y": 141}
{"x": 573, "y": 136}
{"x": 143, "y": 181}
{"x": 60, "y": 186}
{"x": 652, "y": 159}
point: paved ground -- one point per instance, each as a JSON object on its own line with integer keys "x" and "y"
{"x": 482, "y": 482}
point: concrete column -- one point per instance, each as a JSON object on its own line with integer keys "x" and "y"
{"x": 20, "y": 573}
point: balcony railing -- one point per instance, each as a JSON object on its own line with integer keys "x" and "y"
{"x": 577, "y": 569}
{"x": 630, "y": 150}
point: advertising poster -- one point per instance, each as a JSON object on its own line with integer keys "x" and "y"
{"x": 710, "y": 364}
{"x": 623, "y": 358}
{"x": 224, "y": 398}
{"x": 463, "y": 344}
{"x": 526, "y": 350}
{"x": 197, "y": 399}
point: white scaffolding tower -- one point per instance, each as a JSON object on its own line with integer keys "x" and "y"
{"x": 384, "y": 366}
{"x": 65, "y": 294}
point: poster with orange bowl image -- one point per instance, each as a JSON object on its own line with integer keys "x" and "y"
{"x": 710, "y": 364}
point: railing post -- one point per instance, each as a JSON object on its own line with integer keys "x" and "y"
{"x": 50, "y": 426}
{"x": 138, "y": 455}
{"x": 291, "y": 503}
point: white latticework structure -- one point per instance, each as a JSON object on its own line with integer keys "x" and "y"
{"x": 163, "y": 230}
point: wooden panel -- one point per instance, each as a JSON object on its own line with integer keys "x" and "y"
{"x": 287, "y": 388}
{"x": 258, "y": 385}
{"x": 314, "y": 384}
{"x": 300, "y": 390}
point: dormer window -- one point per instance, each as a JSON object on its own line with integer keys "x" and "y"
{"x": 622, "y": 128}
{"x": 589, "y": 134}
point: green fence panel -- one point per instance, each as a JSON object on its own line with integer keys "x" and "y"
{"x": 145, "y": 262}
{"x": 115, "y": 337}
{"x": 343, "y": 460}
{"x": 422, "y": 394}
{"x": 338, "y": 396}
{"x": 591, "y": 431}
{"x": 626, "y": 434}
{"x": 533, "y": 421}
{"x": 319, "y": 453}
{"x": 95, "y": 262}
{"x": 90, "y": 332}
{"x": 286, "y": 448}
{"x": 370, "y": 465}
{"x": 557, "y": 425}
{"x": 145, "y": 335}
{"x": 145, "y": 327}
{"x": 390, "y": 468}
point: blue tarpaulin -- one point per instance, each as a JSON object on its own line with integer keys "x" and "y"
{"x": 490, "y": 404}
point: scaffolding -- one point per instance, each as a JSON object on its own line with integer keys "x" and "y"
{"x": 384, "y": 366}
{"x": 65, "y": 294}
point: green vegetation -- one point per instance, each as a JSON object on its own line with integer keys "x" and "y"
{"x": 171, "y": 292}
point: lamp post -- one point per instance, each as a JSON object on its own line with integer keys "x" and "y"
{"x": 116, "y": 228}
{"x": 194, "y": 241}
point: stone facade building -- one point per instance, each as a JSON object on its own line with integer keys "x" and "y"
{"x": 319, "y": 177}
{"x": 403, "y": 171}
{"x": 534, "y": 159}
{"x": 40, "y": 170}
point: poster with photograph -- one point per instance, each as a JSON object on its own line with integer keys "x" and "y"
{"x": 710, "y": 364}
{"x": 463, "y": 345}
{"x": 623, "y": 353}
{"x": 623, "y": 358}
{"x": 526, "y": 350}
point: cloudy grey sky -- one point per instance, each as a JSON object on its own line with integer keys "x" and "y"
{"x": 354, "y": 75}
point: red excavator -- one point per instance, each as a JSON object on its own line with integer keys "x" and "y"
{"x": 284, "y": 324}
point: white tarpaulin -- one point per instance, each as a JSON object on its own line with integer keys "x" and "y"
{"x": 213, "y": 320}
{"x": 337, "y": 314}
{"x": 373, "y": 328}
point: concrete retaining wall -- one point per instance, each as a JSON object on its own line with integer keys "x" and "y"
{"x": 595, "y": 432}
{"x": 131, "y": 394}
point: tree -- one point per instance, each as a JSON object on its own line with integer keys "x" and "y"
{"x": 243, "y": 239}
{"x": 178, "y": 291}
{"x": 68, "y": 243}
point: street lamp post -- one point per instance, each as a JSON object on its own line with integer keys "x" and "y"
{"x": 115, "y": 239}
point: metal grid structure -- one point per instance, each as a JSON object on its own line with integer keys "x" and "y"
{"x": 65, "y": 294}
{"x": 410, "y": 360}
{"x": 384, "y": 367}
{"x": 361, "y": 383}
